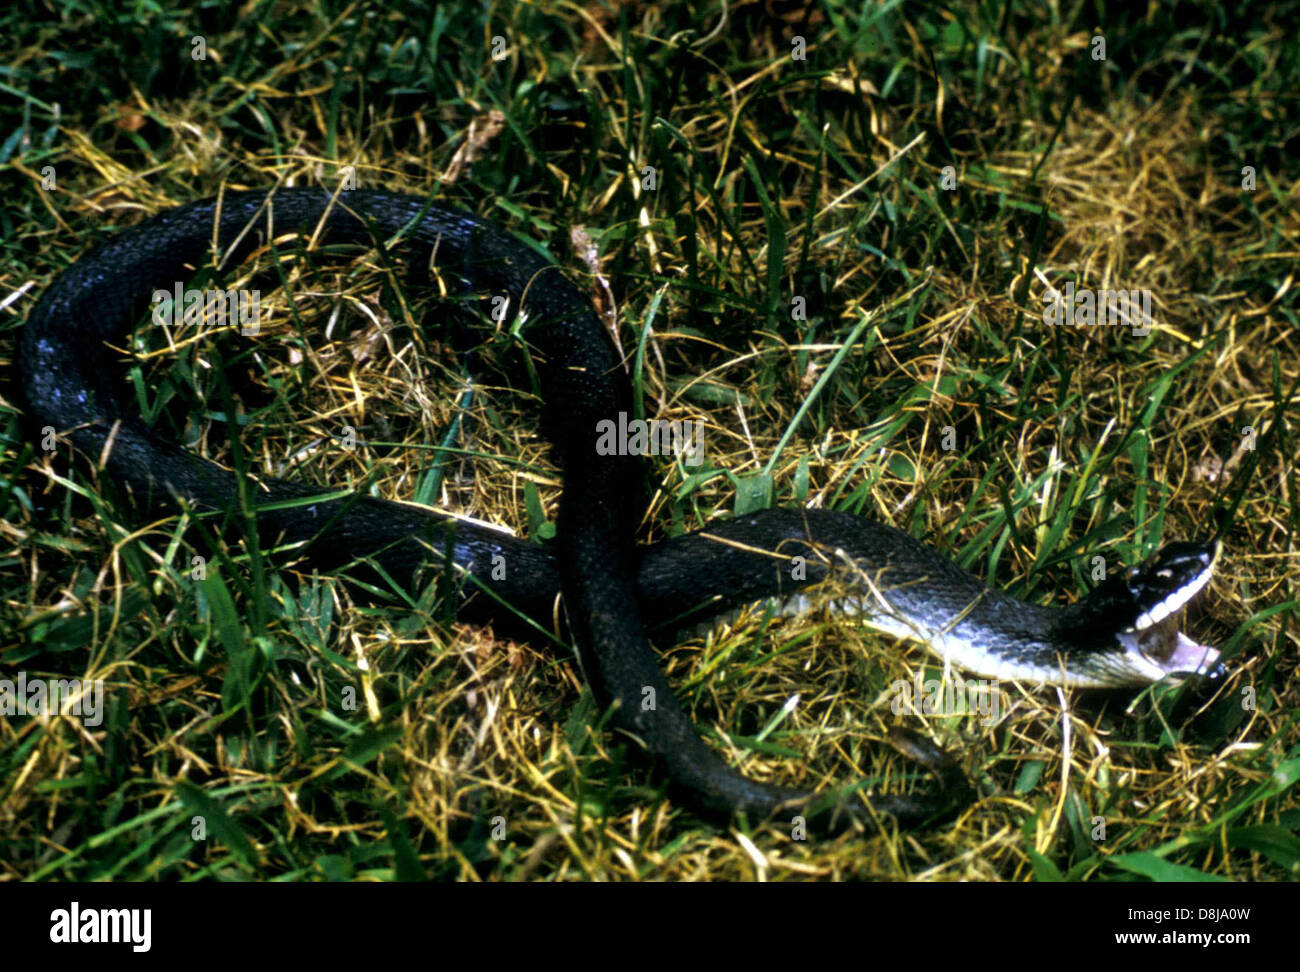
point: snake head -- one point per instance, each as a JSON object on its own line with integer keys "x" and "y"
{"x": 1149, "y": 603}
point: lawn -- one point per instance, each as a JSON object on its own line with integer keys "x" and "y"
{"x": 827, "y": 234}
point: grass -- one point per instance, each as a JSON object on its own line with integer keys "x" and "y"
{"x": 318, "y": 738}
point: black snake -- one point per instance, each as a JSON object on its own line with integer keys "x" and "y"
{"x": 1123, "y": 634}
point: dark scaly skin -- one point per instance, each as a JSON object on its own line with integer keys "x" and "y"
{"x": 609, "y": 585}
{"x": 62, "y": 357}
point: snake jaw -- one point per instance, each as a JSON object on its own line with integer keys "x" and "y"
{"x": 1171, "y": 605}
{"x": 1162, "y": 650}
{"x": 1154, "y": 641}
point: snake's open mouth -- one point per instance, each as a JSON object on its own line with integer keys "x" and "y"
{"x": 1155, "y": 638}
{"x": 1170, "y": 651}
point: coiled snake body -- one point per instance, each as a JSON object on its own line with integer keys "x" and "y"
{"x": 1122, "y": 635}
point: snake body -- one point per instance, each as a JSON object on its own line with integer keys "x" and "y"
{"x": 611, "y": 588}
